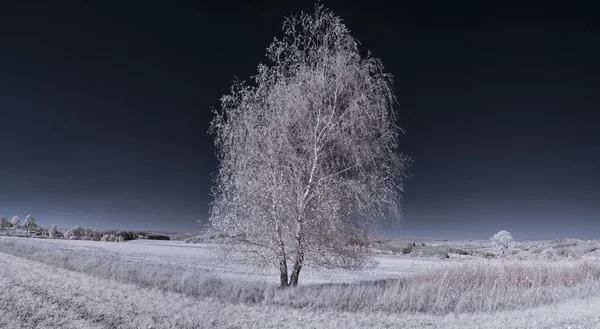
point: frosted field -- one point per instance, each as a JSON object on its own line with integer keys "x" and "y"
{"x": 197, "y": 257}
{"x": 86, "y": 284}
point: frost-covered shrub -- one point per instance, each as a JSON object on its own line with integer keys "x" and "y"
{"x": 68, "y": 235}
{"x": 549, "y": 253}
{"x": 569, "y": 252}
{"x": 104, "y": 238}
{"x": 97, "y": 235}
{"x": 15, "y": 222}
{"x": 86, "y": 238}
{"x": 539, "y": 248}
{"x": 76, "y": 233}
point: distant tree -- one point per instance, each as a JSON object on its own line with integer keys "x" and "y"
{"x": 308, "y": 156}
{"x": 503, "y": 240}
{"x": 52, "y": 232}
{"x": 29, "y": 223}
{"x": 40, "y": 230}
{"x": 4, "y": 223}
{"x": 97, "y": 235}
{"x": 15, "y": 222}
{"x": 77, "y": 233}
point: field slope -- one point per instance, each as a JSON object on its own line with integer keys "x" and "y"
{"x": 37, "y": 295}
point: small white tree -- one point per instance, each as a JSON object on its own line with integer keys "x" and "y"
{"x": 3, "y": 223}
{"x": 15, "y": 222}
{"x": 52, "y": 232}
{"x": 29, "y": 223}
{"x": 503, "y": 240}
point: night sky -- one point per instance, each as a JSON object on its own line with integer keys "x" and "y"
{"x": 104, "y": 110}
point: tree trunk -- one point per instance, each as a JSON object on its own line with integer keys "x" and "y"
{"x": 296, "y": 270}
{"x": 283, "y": 273}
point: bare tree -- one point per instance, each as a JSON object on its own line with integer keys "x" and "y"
{"x": 309, "y": 159}
{"x": 15, "y": 222}
{"x": 29, "y": 223}
{"x": 502, "y": 239}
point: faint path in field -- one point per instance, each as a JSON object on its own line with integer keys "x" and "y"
{"x": 35, "y": 295}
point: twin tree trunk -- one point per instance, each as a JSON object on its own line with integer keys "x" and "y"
{"x": 283, "y": 272}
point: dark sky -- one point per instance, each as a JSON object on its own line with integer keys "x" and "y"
{"x": 104, "y": 109}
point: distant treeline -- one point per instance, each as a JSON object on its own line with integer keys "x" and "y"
{"x": 80, "y": 233}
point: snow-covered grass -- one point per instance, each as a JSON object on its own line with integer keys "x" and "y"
{"x": 197, "y": 258}
{"x": 448, "y": 287}
{"x": 36, "y": 295}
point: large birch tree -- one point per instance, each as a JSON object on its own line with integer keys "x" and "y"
{"x": 308, "y": 153}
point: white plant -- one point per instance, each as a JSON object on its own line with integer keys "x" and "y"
{"x": 52, "y": 232}
{"x": 503, "y": 240}
{"x": 15, "y": 222}
{"x": 29, "y": 223}
{"x": 309, "y": 160}
{"x": 77, "y": 233}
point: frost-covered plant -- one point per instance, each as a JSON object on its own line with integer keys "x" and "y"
{"x": 97, "y": 235}
{"x": 503, "y": 240}
{"x": 52, "y": 232}
{"x": 77, "y": 233}
{"x": 29, "y": 223}
{"x": 308, "y": 155}
{"x": 549, "y": 253}
{"x": 15, "y": 222}
{"x": 108, "y": 238}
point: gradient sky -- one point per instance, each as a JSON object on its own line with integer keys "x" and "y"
{"x": 104, "y": 110}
